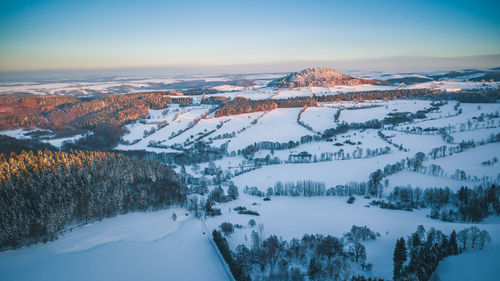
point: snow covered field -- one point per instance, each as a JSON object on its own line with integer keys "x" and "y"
{"x": 415, "y": 142}
{"x": 331, "y": 172}
{"x": 422, "y": 181}
{"x": 470, "y": 111}
{"x": 471, "y": 162}
{"x": 136, "y": 246}
{"x": 152, "y": 246}
{"x": 380, "y": 110}
{"x": 279, "y": 125}
{"x": 290, "y": 217}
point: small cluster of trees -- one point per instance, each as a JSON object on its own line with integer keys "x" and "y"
{"x": 201, "y": 206}
{"x": 360, "y": 233}
{"x": 325, "y": 257}
{"x": 468, "y": 205}
{"x": 418, "y": 258}
{"x": 348, "y": 189}
{"x": 217, "y": 194}
{"x": 471, "y": 205}
{"x": 299, "y": 188}
{"x": 43, "y": 192}
{"x": 396, "y": 118}
{"x": 199, "y": 152}
{"x": 309, "y": 188}
{"x": 244, "y": 211}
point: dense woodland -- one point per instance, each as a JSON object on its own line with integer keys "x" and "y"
{"x": 43, "y": 192}
{"x": 240, "y": 105}
{"x": 61, "y": 113}
{"x": 26, "y": 111}
{"x": 10, "y": 145}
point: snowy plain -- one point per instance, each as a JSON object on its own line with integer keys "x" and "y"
{"x": 135, "y": 246}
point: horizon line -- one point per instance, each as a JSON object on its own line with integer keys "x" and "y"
{"x": 229, "y": 65}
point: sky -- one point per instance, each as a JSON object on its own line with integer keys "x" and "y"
{"x": 51, "y": 35}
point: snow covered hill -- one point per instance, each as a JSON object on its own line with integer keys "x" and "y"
{"x": 319, "y": 77}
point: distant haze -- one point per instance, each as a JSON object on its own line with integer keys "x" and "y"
{"x": 247, "y": 36}
{"x": 391, "y": 64}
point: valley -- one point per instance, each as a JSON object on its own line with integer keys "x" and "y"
{"x": 295, "y": 159}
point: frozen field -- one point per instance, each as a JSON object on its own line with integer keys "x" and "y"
{"x": 320, "y": 118}
{"x": 356, "y": 143}
{"x": 379, "y": 111}
{"x": 332, "y": 172}
{"x": 279, "y": 125}
{"x": 137, "y": 246}
{"x": 477, "y": 135}
{"x": 471, "y": 162}
{"x": 413, "y": 179}
{"x": 415, "y": 142}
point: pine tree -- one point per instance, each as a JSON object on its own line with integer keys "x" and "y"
{"x": 399, "y": 257}
{"x": 453, "y": 243}
{"x": 232, "y": 192}
{"x": 314, "y": 269}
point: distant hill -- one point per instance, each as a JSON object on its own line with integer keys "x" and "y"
{"x": 495, "y": 76}
{"x": 409, "y": 80}
{"x": 319, "y": 77}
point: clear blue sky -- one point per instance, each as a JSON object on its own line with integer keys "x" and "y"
{"x": 106, "y": 34}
